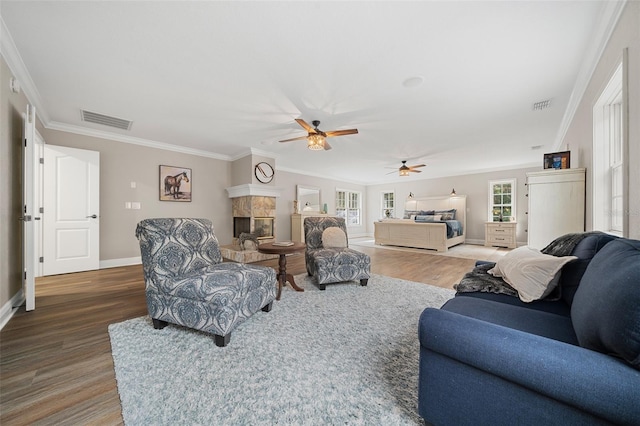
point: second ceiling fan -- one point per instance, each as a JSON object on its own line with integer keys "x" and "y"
{"x": 316, "y": 138}
{"x": 404, "y": 169}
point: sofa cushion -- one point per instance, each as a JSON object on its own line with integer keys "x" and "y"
{"x": 545, "y": 324}
{"x": 533, "y": 274}
{"x": 334, "y": 237}
{"x": 557, "y": 307}
{"x": 606, "y": 307}
{"x": 572, "y": 272}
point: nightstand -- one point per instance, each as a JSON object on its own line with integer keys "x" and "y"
{"x": 500, "y": 234}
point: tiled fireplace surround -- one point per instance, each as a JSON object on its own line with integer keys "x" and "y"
{"x": 252, "y": 210}
{"x": 260, "y": 212}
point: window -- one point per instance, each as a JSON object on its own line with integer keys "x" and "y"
{"x": 349, "y": 207}
{"x": 502, "y": 200}
{"x": 388, "y": 204}
{"x": 608, "y": 158}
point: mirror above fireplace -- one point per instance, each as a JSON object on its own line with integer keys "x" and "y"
{"x": 308, "y": 199}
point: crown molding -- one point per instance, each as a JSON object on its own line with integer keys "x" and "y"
{"x": 11, "y": 55}
{"x": 55, "y": 125}
{"x": 610, "y": 14}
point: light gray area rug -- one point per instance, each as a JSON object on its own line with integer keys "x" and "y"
{"x": 346, "y": 355}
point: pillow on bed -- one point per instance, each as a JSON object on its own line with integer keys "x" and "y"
{"x": 428, "y": 218}
{"x": 447, "y": 214}
{"x": 533, "y": 274}
{"x": 409, "y": 213}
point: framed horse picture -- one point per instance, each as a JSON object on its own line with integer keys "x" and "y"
{"x": 175, "y": 183}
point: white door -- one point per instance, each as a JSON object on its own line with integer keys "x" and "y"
{"x": 71, "y": 210}
{"x": 28, "y": 250}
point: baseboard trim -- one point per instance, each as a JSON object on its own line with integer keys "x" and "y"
{"x": 10, "y": 308}
{"x": 474, "y": 242}
{"x": 114, "y": 263}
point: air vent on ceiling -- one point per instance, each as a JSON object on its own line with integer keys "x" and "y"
{"x": 539, "y": 106}
{"x": 106, "y": 120}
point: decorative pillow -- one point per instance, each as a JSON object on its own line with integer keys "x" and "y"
{"x": 409, "y": 213}
{"x": 606, "y": 307}
{"x": 447, "y": 214}
{"x": 533, "y": 274}
{"x": 334, "y": 238}
{"x": 428, "y": 218}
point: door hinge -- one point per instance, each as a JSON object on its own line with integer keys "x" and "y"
{"x": 25, "y": 141}
{"x": 42, "y": 161}
{"x": 41, "y": 209}
{"x": 25, "y": 275}
{"x": 42, "y": 260}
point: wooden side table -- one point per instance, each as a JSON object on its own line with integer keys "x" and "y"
{"x": 283, "y": 251}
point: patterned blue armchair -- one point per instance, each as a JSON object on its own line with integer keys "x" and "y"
{"x": 187, "y": 284}
{"x": 328, "y": 256}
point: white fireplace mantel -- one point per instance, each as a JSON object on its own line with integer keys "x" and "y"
{"x": 253, "y": 190}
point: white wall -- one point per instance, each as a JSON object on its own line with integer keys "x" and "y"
{"x": 579, "y": 136}
{"x": 122, "y": 163}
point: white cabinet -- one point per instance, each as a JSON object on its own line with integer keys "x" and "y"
{"x": 297, "y": 225}
{"x": 556, "y": 205}
{"x": 500, "y": 234}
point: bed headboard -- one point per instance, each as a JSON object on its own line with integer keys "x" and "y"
{"x": 445, "y": 202}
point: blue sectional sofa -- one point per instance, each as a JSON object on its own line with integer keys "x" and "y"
{"x": 491, "y": 359}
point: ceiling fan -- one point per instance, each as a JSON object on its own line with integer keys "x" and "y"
{"x": 404, "y": 169}
{"x": 316, "y": 138}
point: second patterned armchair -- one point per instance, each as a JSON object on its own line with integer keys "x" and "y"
{"x": 328, "y": 256}
{"x": 186, "y": 282}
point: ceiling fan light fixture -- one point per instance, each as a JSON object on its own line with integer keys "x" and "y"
{"x": 315, "y": 142}
{"x": 404, "y": 171}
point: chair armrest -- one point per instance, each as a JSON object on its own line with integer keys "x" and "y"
{"x": 589, "y": 380}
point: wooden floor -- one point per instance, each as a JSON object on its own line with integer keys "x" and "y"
{"x": 55, "y": 362}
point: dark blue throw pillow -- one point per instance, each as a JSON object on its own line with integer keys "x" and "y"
{"x": 606, "y": 307}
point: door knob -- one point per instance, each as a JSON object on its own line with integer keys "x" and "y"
{"x": 93, "y": 216}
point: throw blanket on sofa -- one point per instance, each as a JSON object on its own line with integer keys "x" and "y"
{"x": 564, "y": 245}
{"x": 479, "y": 280}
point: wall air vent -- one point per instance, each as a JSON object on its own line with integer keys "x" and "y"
{"x": 105, "y": 120}
{"x": 539, "y": 106}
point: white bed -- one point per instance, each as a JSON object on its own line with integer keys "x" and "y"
{"x": 432, "y": 235}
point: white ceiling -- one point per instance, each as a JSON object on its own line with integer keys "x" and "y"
{"x": 223, "y": 78}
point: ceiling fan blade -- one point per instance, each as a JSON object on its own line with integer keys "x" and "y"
{"x": 334, "y": 133}
{"x": 415, "y": 171}
{"x": 415, "y": 167}
{"x": 305, "y": 125}
{"x": 294, "y": 139}
{"x": 390, "y": 173}
{"x": 327, "y": 147}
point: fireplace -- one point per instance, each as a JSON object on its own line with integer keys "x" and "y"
{"x": 261, "y": 226}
